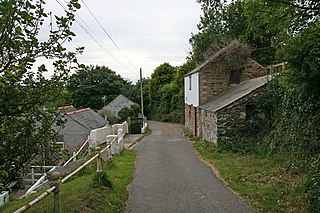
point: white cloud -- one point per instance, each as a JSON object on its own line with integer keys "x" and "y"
{"x": 149, "y": 33}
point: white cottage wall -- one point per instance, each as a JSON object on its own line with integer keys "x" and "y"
{"x": 191, "y": 89}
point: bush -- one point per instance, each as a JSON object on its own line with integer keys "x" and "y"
{"x": 312, "y": 187}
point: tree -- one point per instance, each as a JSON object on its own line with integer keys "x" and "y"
{"x": 135, "y": 92}
{"x": 253, "y": 22}
{"x": 132, "y": 112}
{"x": 212, "y": 30}
{"x": 167, "y": 96}
{"x": 89, "y": 85}
{"x": 177, "y": 100}
{"x": 25, "y": 126}
{"x": 161, "y": 76}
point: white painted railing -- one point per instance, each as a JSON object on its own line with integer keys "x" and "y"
{"x": 96, "y": 138}
{"x": 39, "y": 183}
{"x": 99, "y": 136}
{"x": 144, "y": 125}
{"x": 53, "y": 188}
{"x": 74, "y": 156}
{"x": 43, "y": 179}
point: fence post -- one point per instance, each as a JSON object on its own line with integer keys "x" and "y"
{"x": 32, "y": 175}
{"x": 129, "y": 125}
{"x": 99, "y": 167}
{"x": 74, "y": 156}
{"x": 56, "y": 181}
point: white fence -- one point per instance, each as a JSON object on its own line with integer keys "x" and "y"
{"x": 57, "y": 182}
{"x": 145, "y": 125}
{"x": 107, "y": 134}
{"x": 112, "y": 135}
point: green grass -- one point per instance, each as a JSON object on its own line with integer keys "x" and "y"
{"x": 81, "y": 195}
{"x": 266, "y": 183}
{"x": 147, "y": 132}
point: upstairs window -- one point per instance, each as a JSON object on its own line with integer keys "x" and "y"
{"x": 235, "y": 77}
{"x": 190, "y": 82}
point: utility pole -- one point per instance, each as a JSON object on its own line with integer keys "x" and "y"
{"x": 141, "y": 92}
{"x": 104, "y": 100}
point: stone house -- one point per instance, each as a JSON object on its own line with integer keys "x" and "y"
{"x": 77, "y": 126}
{"x": 219, "y": 91}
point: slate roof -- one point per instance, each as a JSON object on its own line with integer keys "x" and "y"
{"x": 234, "y": 94}
{"x": 87, "y": 118}
{"x": 118, "y": 103}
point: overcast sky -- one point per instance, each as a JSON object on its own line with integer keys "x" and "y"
{"x": 148, "y": 33}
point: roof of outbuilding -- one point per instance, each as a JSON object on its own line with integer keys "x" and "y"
{"x": 234, "y": 94}
{"x": 87, "y": 118}
{"x": 118, "y": 103}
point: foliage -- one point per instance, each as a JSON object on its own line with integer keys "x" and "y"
{"x": 166, "y": 103}
{"x": 101, "y": 179}
{"x": 312, "y": 185}
{"x": 90, "y": 84}
{"x": 25, "y": 126}
{"x": 78, "y": 195}
{"x": 211, "y": 35}
{"x": 108, "y": 115}
{"x": 161, "y": 76}
{"x": 135, "y": 92}
{"x": 303, "y": 55}
{"x": 290, "y": 127}
{"x": 132, "y": 112}
{"x": 267, "y": 182}
{"x": 276, "y": 30}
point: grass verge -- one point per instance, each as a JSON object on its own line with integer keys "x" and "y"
{"x": 266, "y": 182}
{"x": 148, "y": 132}
{"x": 81, "y": 195}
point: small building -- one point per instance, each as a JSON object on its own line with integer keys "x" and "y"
{"x": 222, "y": 81}
{"x": 230, "y": 108}
{"x": 117, "y": 104}
{"x": 77, "y": 126}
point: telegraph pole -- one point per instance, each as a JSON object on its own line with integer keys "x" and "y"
{"x": 141, "y": 92}
{"x": 104, "y": 100}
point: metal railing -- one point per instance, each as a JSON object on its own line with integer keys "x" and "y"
{"x": 75, "y": 155}
{"x": 55, "y": 177}
{"x": 42, "y": 180}
{"x": 57, "y": 183}
{"x": 39, "y": 183}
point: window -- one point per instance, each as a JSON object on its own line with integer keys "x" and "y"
{"x": 235, "y": 77}
{"x": 190, "y": 82}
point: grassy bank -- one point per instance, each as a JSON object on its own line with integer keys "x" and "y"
{"x": 80, "y": 194}
{"x": 266, "y": 182}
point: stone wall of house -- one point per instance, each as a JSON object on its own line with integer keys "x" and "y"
{"x": 252, "y": 70}
{"x": 191, "y": 114}
{"x": 213, "y": 81}
{"x": 208, "y": 125}
{"x": 235, "y": 113}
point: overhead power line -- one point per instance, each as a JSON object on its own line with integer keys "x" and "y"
{"x": 94, "y": 36}
{"x": 108, "y": 35}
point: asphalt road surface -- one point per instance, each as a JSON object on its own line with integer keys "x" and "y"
{"x": 170, "y": 178}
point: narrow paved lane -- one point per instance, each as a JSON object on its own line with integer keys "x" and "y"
{"x": 170, "y": 178}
